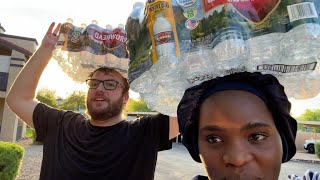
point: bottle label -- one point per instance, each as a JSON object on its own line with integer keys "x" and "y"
{"x": 190, "y": 12}
{"x": 169, "y": 33}
{"x": 302, "y": 11}
{"x": 283, "y": 68}
{"x": 252, "y": 10}
{"x": 164, "y": 37}
{"x": 186, "y": 3}
{"x": 94, "y": 38}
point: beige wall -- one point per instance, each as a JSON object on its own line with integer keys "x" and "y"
{"x": 9, "y": 121}
{"x": 9, "y": 125}
{"x": 1, "y": 110}
{"x": 302, "y": 136}
{"x": 26, "y": 44}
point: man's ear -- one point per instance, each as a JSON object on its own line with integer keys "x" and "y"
{"x": 125, "y": 98}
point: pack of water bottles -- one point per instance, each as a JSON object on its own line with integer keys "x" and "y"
{"x": 82, "y": 49}
{"x": 176, "y": 44}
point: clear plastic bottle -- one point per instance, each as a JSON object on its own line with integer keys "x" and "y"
{"x": 264, "y": 49}
{"x": 229, "y": 52}
{"x": 164, "y": 38}
{"x": 137, "y": 10}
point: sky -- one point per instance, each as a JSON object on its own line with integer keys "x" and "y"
{"x": 32, "y": 18}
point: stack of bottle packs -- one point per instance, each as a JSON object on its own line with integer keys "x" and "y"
{"x": 81, "y": 50}
{"x": 176, "y": 44}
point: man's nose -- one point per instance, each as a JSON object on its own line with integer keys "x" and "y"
{"x": 100, "y": 87}
{"x": 238, "y": 154}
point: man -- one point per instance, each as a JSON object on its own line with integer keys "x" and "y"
{"x": 239, "y": 126}
{"x": 102, "y": 147}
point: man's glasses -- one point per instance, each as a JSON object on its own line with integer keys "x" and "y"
{"x": 107, "y": 84}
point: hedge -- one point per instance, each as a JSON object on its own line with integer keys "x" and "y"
{"x": 317, "y": 148}
{"x": 11, "y": 155}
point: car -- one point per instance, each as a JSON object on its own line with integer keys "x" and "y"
{"x": 309, "y": 145}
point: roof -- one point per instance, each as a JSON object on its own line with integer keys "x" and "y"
{"x": 15, "y": 47}
{"x": 312, "y": 124}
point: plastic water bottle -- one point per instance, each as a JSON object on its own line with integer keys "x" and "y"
{"x": 229, "y": 52}
{"x": 164, "y": 38}
{"x": 137, "y": 10}
{"x": 264, "y": 49}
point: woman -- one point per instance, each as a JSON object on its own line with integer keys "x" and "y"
{"x": 239, "y": 126}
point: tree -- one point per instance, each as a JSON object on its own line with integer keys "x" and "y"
{"x": 75, "y": 101}
{"x": 47, "y": 96}
{"x": 309, "y": 115}
{"x": 136, "y": 106}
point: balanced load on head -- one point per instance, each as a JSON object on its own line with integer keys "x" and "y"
{"x": 80, "y": 50}
{"x": 176, "y": 44}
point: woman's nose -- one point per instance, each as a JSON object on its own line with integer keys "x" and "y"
{"x": 238, "y": 154}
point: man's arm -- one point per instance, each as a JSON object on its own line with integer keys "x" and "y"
{"x": 21, "y": 97}
{"x": 173, "y": 127}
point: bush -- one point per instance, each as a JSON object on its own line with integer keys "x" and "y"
{"x": 11, "y": 155}
{"x": 317, "y": 148}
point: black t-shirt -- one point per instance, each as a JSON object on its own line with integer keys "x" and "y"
{"x": 75, "y": 149}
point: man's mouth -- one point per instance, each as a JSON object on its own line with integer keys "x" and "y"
{"x": 99, "y": 99}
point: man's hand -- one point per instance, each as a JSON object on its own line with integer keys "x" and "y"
{"x": 21, "y": 97}
{"x": 51, "y": 38}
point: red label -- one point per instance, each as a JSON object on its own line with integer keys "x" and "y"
{"x": 111, "y": 39}
{"x": 164, "y": 37}
{"x": 252, "y": 10}
{"x": 210, "y": 4}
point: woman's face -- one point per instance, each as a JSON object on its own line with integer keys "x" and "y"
{"x": 238, "y": 138}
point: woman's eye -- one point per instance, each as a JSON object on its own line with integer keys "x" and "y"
{"x": 213, "y": 139}
{"x": 257, "y": 137}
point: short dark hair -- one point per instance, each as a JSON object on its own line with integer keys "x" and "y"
{"x": 110, "y": 70}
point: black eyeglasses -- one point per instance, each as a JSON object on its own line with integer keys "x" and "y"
{"x": 107, "y": 84}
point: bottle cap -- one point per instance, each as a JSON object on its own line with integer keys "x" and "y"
{"x": 83, "y": 25}
{"x": 94, "y": 22}
{"x": 108, "y": 27}
{"x": 69, "y": 20}
{"x": 138, "y": 4}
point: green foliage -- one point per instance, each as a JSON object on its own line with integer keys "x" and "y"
{"x": 11, "y": 155}
{"x": 75, "y": 101}
{"x": 47, "y": 97}
{"x": 136, "y": 106}
{"x": 317, "y": 149}
{"x": 29, "y": 133}
{"x": 309, "y": 115}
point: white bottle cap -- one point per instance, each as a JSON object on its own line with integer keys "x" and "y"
{"x": 94, "y": 22}
{"x": 138, "y": 4}
{"x": 83, "y": 25}
{"x": 108, "y": 27}
{"x": 121, "y": 26}
{"x": 69, "y": 20}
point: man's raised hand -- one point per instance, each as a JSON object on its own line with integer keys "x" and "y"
{"x": 51, "y": 38}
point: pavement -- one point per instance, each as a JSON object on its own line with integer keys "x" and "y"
{"x": 304, "y": 156}
{"x": 176, "y": 161}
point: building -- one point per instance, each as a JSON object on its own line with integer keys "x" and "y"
{"x": 14, "y": 53}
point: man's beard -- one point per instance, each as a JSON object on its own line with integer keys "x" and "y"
{"x": 112, "y": 110}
